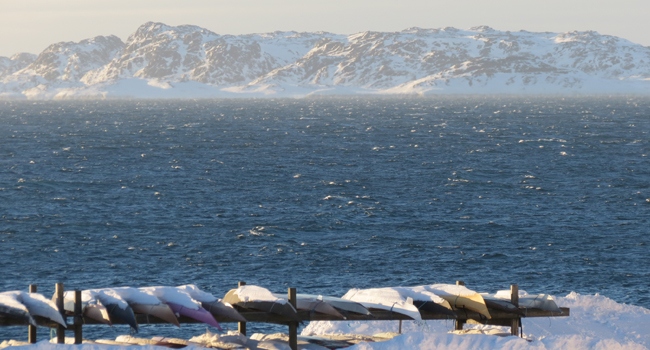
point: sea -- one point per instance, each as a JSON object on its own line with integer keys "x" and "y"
{"x": 325, "y": 194}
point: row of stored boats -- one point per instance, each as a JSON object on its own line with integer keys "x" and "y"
{"x": 120, "y": 305}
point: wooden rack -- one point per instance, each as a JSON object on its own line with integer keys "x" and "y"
{"x": 500, "y": 318}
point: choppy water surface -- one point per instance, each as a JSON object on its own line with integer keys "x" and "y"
{"x": 325, "y": 195}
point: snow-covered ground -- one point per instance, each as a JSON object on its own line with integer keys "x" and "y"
{"x": 596, "y": 322}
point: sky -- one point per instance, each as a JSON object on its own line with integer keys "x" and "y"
{"x": 32, "y": 25}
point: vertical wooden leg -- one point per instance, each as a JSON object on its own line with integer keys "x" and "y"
{"x": 514, "y": 299}
{"x": 514, "y": 328}
{"x": 78, "y": 318}
{"x": 293, "y": 326}
{"x": 241, "y": 326}
{"x": 460, "y": 323}
{"x": 32, "y": 329}
{"x": 60, "y": 330}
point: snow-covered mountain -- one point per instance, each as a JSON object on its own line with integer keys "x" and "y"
{"x": 10, "y": 65}
{"x": 188, "y": 61}
{"x": 59, "y": 66}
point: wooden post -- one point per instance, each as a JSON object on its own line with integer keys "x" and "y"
{"x": 514, "y": 299}
{"x": 293, "y": 326}
{"x": 459, "y": 323}
{"x": 400, "y": 327}
{"x": 32, "y": 329}
{"x": 78, "y": 318}
{"x": 241, "y": 327}
{"x": 60, "y": 330}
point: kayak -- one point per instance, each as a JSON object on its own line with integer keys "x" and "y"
{"x": 115, "y": 311}
{"x": 199, "y": 314}
{"x": 11, "y": 307}
{"x": 426, "y": 300}
{"x": 492, "y": 302}
{"x": 161, "y": 311}
{"x": 532, "y": 301}
{"x": 460, "y": 297}
{"x": 261, "y": 299}
{"x": 145, "y": 303}
{"x": 116, "y": 306}
{"x": 38, "y": 305}
{"x": 182, "y": 303}
{"x": 91, "y": 307}
{"x": 387, "y": 299}
{"x": 314, "y": 304}
{"x": 341, "y": 304}
{"x": 211, "y": 303}
{"x": 221, "y": 308}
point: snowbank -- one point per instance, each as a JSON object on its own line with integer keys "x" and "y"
{"x": 596, "y": 323}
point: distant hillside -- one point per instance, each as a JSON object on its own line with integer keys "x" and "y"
{"x": 160, "y": 61}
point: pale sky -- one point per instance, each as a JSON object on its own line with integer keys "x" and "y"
{"x": 32, "y": 25}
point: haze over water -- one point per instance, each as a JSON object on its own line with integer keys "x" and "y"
{"x": 325, "y": 195}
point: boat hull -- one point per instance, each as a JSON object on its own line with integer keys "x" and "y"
{"x": 219, "y": 308}
{"x": 125, "y": 315}
{"x": 161, "y": 311}
{"x": 199, "y": 314}
{"x": 342, "y": 304}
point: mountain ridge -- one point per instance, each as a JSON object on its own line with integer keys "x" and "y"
{"x": 187, "y": 61}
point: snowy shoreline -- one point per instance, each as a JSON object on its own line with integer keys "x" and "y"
{"x": 596, "y": 322}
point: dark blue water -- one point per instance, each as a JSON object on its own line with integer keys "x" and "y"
{"x": 326, "y": 195}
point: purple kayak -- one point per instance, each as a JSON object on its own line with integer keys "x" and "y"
{"x": 199, "y": 314}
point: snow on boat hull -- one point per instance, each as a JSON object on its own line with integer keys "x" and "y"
{"x": 312, "y": 303}
{"x": 38, "y": 305}
{"x": 17, "y": 314}
{"x": 500, "y": 304}
{"x": 161, "y": 311}
{"x": 531, "y": 301}
{"x": 539, "y": 301}
{"x": 318, "y": 306}
{"x": 275, "y": 306}
{"x": 93, "y": 310}
{"x": 200, "y": 314}
{"x": 384, "y": 299}
{"x": 219, "y": 308}
{"x": 341, "y": 304}
{"x": 408, "y": 310}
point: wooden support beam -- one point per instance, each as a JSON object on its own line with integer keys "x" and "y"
{"x": 293, "y": 326}
{"x": 459, "y": 323}
{"x": 32, "y": 329}
{"x": 514, "y": 299}
{"x": 60, "y": 330}
{"x": 241, "y": 326}
{"x": 498, "y": 317}
{"x": 78, "y": 318}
